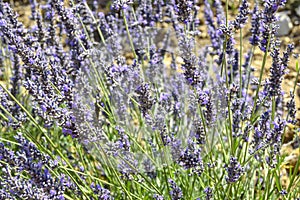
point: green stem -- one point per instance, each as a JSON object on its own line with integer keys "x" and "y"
{"x": 128, "y": 34}
{"x": 241, "y": 61}
{"x": 260, "y": 76}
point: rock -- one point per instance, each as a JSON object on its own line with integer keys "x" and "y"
{"x": 297, "y": 11}
{"x": 296, "y": 20}
{"x": 285, "y": 24}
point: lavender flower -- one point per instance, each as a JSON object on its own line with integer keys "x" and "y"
{"x": 205, "y": 100}
{"x": 191, "y": 71}
{"x": 214, "y": 34}
{"x": 260, "y": 132}
{"x": 102, "y": 193}
{"x": 209, "y": 193}
{"x": 234, "y": 170}
{"x": 183, "y": 9}
{"x": 158, "y": 197}
{"x": 237, "y": 117}
{"x": 242, "y": 16}
{"x": 255, "y": 26}
{"x": 17, "y": 116}
{"x": 286, "y": 55}
{"x": 120, "y": 4}
{"x": 144, "y": 98}
{"x": 190, "y": 158}
{"x": 291, "y": 107}
{"x": 17, "y": 76}
{"x": 28, "y": 159}
{"x": 273, "y": 139}
{"x": 123, "y": 142}
{"x": 176, "y": 192}
{"x": 199, "y": 132}
{"x": 277, "y": 70}
{"x": 267, "y": 23}
{"x": 220, "y": 15}
{"x": 166, "y": 139}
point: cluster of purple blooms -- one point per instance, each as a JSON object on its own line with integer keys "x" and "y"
{"x": 103, "y": 80}
{"x": 38, "y": 183}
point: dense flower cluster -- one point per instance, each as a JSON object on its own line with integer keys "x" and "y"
{"x": 176, "y": 192}
{"x": 40, "y": 184}
{"x": 234, "y": 170}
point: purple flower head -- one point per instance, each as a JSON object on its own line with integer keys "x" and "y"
{"x": 3, "y": 22}
{"x": 164, "y": 97}
{"x": 123, "y": 142}
{"x": 273, "y": 139}
{"x": 176, "y": 192}
{"x": 67, "y": 131}
{"x": 255, "y": 26}
{"x": 278, "y": 70}
{"x": 219, "y": 12}
{"x": 242, "y": 17}
{"x": 268, "y": 28}
{"x": 144, "y": 98}
{"x": 190, "y": 158}
{"x": 158, "y": 197}
{"x": 118, "y": 5}
{"x": 286, "y": 55}
{"x": 209, "y": 193}
{"x": 214, "y": 33}
{"x": 199, "y": 132}
{"x": 291, "y": 107}
{"x": 234, "y": 170}
{"x": 101, "y": 192}
{"x": 183, "y": 9}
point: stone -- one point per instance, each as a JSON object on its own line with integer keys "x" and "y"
{"x": 285, "y": 24}
{"x": 297, "y": 11}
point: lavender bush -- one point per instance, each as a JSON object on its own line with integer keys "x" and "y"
{"x": 128, "y": 105}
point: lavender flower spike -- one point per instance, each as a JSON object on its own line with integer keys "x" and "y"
{"x": 234, "y": 170}
{"x": 176, "y": 192}
{"x": 242, "y": 17}
{"x": 255, "y": 24}
{"x": 120, "y": 4}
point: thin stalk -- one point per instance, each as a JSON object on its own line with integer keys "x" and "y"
{"x": 128, "y": 34}
{"x": 193, "y": 183}
{"x": 273, "y": 110}
{"x": 294, "y": 175}
{"x": 82, "y": 173}
{"x": 9, "y": 141}
{"x": 267, "y": 184}
{"x": 241, "y": 61}
{"x": 260, "y": 76}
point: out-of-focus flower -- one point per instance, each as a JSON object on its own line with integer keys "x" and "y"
{"x": 209, "y": 193}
